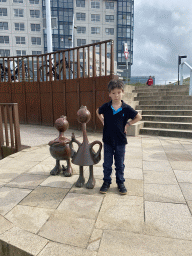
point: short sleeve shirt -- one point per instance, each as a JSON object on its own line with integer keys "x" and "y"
{"x": 114, "y": 124}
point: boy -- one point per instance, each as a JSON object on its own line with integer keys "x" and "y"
{"x": 114, "y": 115}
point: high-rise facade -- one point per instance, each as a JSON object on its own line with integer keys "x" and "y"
{"x": 23, "y": 26}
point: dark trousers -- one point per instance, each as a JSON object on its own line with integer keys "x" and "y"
{"x": 118, "y": 152}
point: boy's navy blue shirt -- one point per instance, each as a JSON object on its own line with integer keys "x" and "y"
{"x": 114, "y": 124}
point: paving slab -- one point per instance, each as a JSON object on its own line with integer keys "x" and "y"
{"x": 187, "y": 190}
{"x": 45, "y": 197}
{"x": 65, "y": 229}
{"x": 28, "y": 218}
{"x": 181, "y": 165}
{"x": 56, "y": 249}
{"x": 168, "y": 220}
{"x": 80, "y": 205}
{"x": 59, "y": 181}
{"x": 183, "y": 176}
{"x": 129, "y": 244}
{"x": 154, "y": 177}
{"x": 10, "y": 197}
{"x": 121, "y": 213}
{"x": 163, "y": 193}
{"x": 23, "y": 240}
{"x": 157, "y": 166}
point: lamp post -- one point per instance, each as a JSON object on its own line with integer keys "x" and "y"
{"x": 179, "y": 62}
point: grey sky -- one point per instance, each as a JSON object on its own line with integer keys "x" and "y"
{"x": 162, "y": 31}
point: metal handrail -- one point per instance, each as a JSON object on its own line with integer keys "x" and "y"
{"x": 190, "y": 84}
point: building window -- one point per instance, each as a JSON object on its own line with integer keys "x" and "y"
{"x": 20, "y": 40}
{"x": 18, "y": 13}
{"x": 80, "y": 16}
{"x": 20, "y": 53}
{"x": 95, "y": 41}
{"x": 18, "y": 1}
{"x": 81, "y": 30}
{"x": 35, "y": 13}
{"x": 109, "y": 5}
{"x": 95, "y": 4}
{"x": 20, "y": 26}
{"x": 3, "y": 11}
{"x": 36, "y": 52}
{"x": 4, "y": 40}
{"x": 35, "y": 27}
{"x": 109, "y": 31}
{"x": 36, "y": 40}
{"x": 34, "y": 1}
{"x": 80, "y": 3}
{"x": 3, "y": 1}
{"x": 81, "y": 42}
{"x": 95, "y": 30}
{"x": 109, "y": 18}
{"x": 95, "y": 17}
{"x": 4, "y": 53}
{"x": 3, "y": 25}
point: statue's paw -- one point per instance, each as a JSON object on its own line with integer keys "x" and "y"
{"x": 80, "y": 182}
{"x": 90, "y": 184}
{"x": 56, "y": 170}
{"x": 67, "y": 172}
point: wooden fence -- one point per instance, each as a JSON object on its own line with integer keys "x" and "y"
{"x": 50, "y": 85}
{"x": 9, "y": 129}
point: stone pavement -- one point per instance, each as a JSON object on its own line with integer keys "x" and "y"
{"x": 48, "y": 216}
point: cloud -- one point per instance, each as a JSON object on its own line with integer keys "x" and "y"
{"x": 162, "y": 31}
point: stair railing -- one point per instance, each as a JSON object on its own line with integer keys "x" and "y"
{"x": 190, "y": 86}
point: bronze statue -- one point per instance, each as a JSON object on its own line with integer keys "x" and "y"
{"x": 60, "y": 149}
{"x": 85, "y": 155}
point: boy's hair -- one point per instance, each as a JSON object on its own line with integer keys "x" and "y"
{"x": 115, "y": 84}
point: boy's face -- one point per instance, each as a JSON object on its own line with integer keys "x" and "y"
{"x": 116, "y": 95}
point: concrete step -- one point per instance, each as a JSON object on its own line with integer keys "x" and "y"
{"x": 166, "y": 132}
{"x": 168, "y": 112}
{"x": 161, "y": 118}
{"x": 184, "y": 89}
{"x": 163, "y": 93}
{"x": 165, "y": 102}
{"x": 164, "y": 107}
{"x": 168, "y": 97}
{"x": 159, "y": 87}
{"x": 168, "y": 125}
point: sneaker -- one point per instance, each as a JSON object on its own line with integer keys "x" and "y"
{"x": 122, "y": 189}
{"x": 104, "y": 187}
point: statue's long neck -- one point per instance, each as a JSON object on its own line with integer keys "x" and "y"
{"x": 85, "y": 139}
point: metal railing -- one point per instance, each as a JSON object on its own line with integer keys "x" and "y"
{"x": 190, "y": 85}
{"x": 85, "y": 61}
{"x": 10, "y": 141}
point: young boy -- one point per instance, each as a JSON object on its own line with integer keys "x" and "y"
{"x": 114, "y": 115}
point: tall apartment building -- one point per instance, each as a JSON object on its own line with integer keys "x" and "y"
{"x": 23, "y": 26}
{"x": 21, "y": 31}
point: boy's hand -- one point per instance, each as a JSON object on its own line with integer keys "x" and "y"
{"x": 126, "y": 126}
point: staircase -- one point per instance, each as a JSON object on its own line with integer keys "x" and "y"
{"x": 166, "y": 110}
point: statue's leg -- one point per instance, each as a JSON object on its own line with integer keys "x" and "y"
{"x": 81, "y": 180}
{"x": 57, "y": 169}
{"x": 91, "y": 182}
{"x": 67, "y": 172}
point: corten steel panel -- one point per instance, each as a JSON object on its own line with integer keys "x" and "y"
{"x": 45, "y": 86}
{"x": 102, "y": 82}
{"x": 18, "y": 87}
{"x": 72, "y": 107}
{"x": 58, "y": 86}
{"x": 86, "y": 84}
{"x": 4, "y": 87}
{"x": 5, "y": 97}
{"x": 33, "y": 108}
{"x": 31, "y": 87}
{"x": 47, "y": 109}
{"x": 58, "y": 105}
{"x": 86, "y": 99}
{"x": 20, "y": 99}
{"x": 71, "y": 85}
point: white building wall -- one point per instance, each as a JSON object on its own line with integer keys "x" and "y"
{"x": 102, "y": 24}
{"x": 27, "y": 33}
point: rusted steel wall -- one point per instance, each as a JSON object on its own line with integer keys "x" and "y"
{"x": 50, "y": 85}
